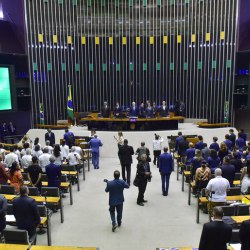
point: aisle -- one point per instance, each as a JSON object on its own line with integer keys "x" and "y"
{"x": 163, "y": 221}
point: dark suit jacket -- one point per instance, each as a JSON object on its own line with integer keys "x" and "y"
{"x": 54, "y": 174}
{"x": 162, "y": 112}
{"x": 166, "y": 163}
{"x": 228, "y": 172}
{"x": 50, "y": 138}
{"x": 244, "y": 235}
{"x": 232, "y": 138}
{"x": 117, "y": 111}
{"x": 105, "y": 112}
{"x": 115, "y": 189}
{"x": 125, "y": 152}
{"x": 183, "y": 146}
{"x": 215, "y": 235}
{"x": 133, "y": 112}
{"x": 26, "y": 212}
{"x": 142, "y": 168}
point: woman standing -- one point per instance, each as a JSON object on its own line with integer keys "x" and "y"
{"x": 15, "y": 176}
{"x": 58, "y": 155}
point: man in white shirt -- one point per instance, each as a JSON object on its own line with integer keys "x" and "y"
{"x": 10, "y": 158}
{"x": 44, "y": 159}
{"x": 217, "y": 191}
{"x": 73, "y": 157}
{"x": 49, "y": 147}
{"x": 64, "y": 150}
{"x": 26, "y": 159}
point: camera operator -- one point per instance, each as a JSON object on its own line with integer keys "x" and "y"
{"x": 143, "y": 175}
{"x": 157, "y": 147}
{"x": 116, "y": 198}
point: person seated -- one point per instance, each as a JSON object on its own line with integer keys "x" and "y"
{"x": 240, "y": 142}
{"x": 133, "y": 111}
{"x": 215, "y": 145}
{"x": 228, "y": 142}
{"x": 149, "y": 111}
{"x": 117, "y": 110}
{"x": 163, "y": 110}
{"x": 215, "y": 234}
{"x": 200, "y": 144}
{"x": 105, "y": 110}
{"x": 213, "y": 160}
{"x": 142, "y": 111}
{"x": 190, "y": 153}
{"x": 228, "y": 170}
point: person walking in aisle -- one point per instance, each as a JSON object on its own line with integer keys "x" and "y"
{"x": 95, "y": 143}
{"x": 166, "y": 166}
{"x": 115, "y": 189}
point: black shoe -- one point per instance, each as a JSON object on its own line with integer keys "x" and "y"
{"x": 119, "y": 224}
{"x": 114, "y": 228}
{"x": 140, "y": 204}
{"x": 144, "y": 201}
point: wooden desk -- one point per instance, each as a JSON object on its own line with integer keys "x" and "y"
{"x": 240, "y": 219}
{"x": 184, "y": 174}
{"x": 63, "y": 185}
{"x": 204, "y": 200}
{"x": 13, "y": 247}
{"x": 75, "y": 174}
{"x": 128, "y": 124}
{"x": 62, "y": 248}
{"x": 9, "y": 197}
{"x": 236, "y": 183}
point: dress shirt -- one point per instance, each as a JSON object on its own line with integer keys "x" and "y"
{"x": 10, "y": 158}
{"x": 44, "y": 160}
{"x": 26, "y": 161}
{"x": 64, "y": 151}
{"x": 219, "y": 185}
{"x": 157, "y": 144}
{"x": 73, "y": 158}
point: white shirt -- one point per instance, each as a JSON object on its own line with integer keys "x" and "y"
{"x": 157, "y": 144}
{"x": 78, "y": 150}
{"x": 49, "y": 148}
{"x": 33, "y": 147}
{"x": 17, "y": 152}
{"x": 73, "y": 158}
{"x": 219, "y": 186}
{"x": 58, "y": 160}
{"x": 2, "y": 151}
{"x": 64, "y": 151}
{"x": 10, "y": 158}
{"x": 26, "y": 161}
{"x": 37, "y": 153}
{"x": 44, "y": 160}
{"x": 245, "y": 184}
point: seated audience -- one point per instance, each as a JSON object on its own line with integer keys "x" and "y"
{"x": 26, "y": 212}
{"x": 228, "y": 170}
{"x": 216, "y": 234}
{"x": 15, "y": 176}
{"x": 215, "y": 145}
{"x": 34, "y": 172}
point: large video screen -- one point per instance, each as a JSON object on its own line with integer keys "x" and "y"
{"x": 5, "y": 90}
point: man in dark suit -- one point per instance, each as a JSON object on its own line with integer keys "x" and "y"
{"x": 116, "y": 198}
{"x": 125, "y": 153}
{"x": 53, "y": 172}
{"x": 69, "y": 138}
{"x": 163, "y": 110}
{"x": 228, "y": 170}
{"x": 166, "y": 165}
{"x": 144, "y": 175}
{"x": 133, "y": 111}
{"x": 105, "y": 111}
{"x": 232, "y": 137}
{"x": 117, "y": 110}
{"x": 215, "y": 234}
{"x": 26, "y": 212}
{"x": 50, "y": 136}
{"x": 244, "y": 235}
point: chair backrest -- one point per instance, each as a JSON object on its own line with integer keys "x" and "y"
{"x": 188, "y": 167}
{"x": 228, "y": 210}
{"x": 44, "y": 177}
{"x": 234, "y": 191}
{"x": 10, "y": 209}
{"x": 63, "y": 178}
{"x": 6, "y": 189}
{"x": 16, "y": 236}
{"x": 68, "y": 168}
{"x": 243, "y": 210}
{"x": 248, "y": 190}
{"x": 237, "y": 176}
{"x": 42, "y": 210}
{"x": 33, "y": 191}
{"x": 50, "y": 191}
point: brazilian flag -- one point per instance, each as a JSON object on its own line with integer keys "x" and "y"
{"x": 41, "y": 114}
{"x": 70, "y": 111}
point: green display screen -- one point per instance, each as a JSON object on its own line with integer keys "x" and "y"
{"x": 5, "y": 92}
